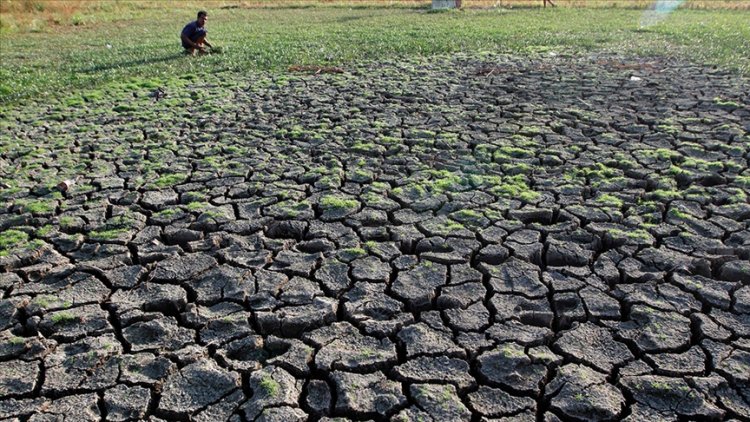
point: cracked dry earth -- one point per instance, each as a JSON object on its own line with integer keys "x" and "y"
{"x": 469, "y": 238}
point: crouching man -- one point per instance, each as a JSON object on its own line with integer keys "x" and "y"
{"x": 194, "y": 35}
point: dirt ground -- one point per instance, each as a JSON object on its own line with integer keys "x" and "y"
{"x": 469, "y": 237}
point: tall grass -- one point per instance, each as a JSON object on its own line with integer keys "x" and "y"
{"x": 47, "y": 15}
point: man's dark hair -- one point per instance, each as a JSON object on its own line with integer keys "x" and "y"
{"x": 202, "y": 13}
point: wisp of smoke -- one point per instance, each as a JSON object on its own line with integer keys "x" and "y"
{"x": 659, "y": 11}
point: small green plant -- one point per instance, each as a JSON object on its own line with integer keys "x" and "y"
{"x": 39, "y": 207}
{"x": 665, "y": 194}
{"x": 63, "y": 318}
{"x": 701, "y": 164}
{"x": 389, "y": 140}
{"x": 365, "y": 147}
{"x": 693, "y": 284}
{"x": 108, "y": 234}
{"x": 668, "y": 128}
{"x": 197, "y": 206}
{"x": 660, "y": 385}
{"x": 338, "y": 203}
{"x": 609, "y": 200}
{"x": 674, "y": 212}
{"x": 169, "y": 180}
{"x": 47, "y": 301}
{"x": 11, "y": 239}
{"x": 637, "y": 234}
{"x": 517, "y": 168}
{"x": 34, "y": 244}
{"x": 726, "y": 103}
{"x": 597, "y": 171}
{"x": 297, "y": 132}
{"x": 382, "y": 187}
{"x": 515, "y": 187}
{"x": 373, "y": 198}
{"x": 666, "y": 154}
{"x": 367, "y": 352}
{"x": 451, "y": 225}
{"x": 679, "y": 171}
{"x": 45, "y": 230}
{"x": 444, "y": 180}
{"x": 355, "y": 252}
{"x": 413, "y": 189}
{"x": 738, "y": 196}
{"x": 17, "y": 341}
{"x": 446, "y": 397}
{"x": 10, "y": 191}
{"x": 505, "y": 153}
{"x": 510, "y": 352}
{"x": 270, "y": 386}
{"x": 167, "y": 213}
{"x": 423, "y": 391}
{"x": 424, "y": 134}
{"x": 289, "y": 208}
{"x": 468, "y": 214}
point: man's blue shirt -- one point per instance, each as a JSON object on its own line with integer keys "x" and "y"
{"x": 193, "y": 32}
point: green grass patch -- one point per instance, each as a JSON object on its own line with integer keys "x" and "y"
{"x": 63, "y": 318}
{"x": 638, "y": 234}
{"x": 169, "y": 180}
{"x": 107, "y": 234}
{"x": 661, "y": 153}
{"x": 665, "y": 194}
{"x": 674, "y": 212}
{"x": 290, "y": 208}
{"x": 353, "y": 253}
{"x": 609, "y": 200}
{"x": 596, "y": 172}
{"x": 168, "y": 213}
{"x": 45, "y": 230}
{"x": 11, "y": 239}
{"x": 47, "y": 301}
{"x": 738, "y": 196}
{"x": 451, "y": 226}
{"x": 514, "y": 187}
{"x": 446, "y": 181}
{"x": 197, "y": 206}
{"x": 38, "y": 206}
{"x": 270, "y": 386}
{"x": 726, "y": 103}
{"x": 102, "y": 56}
{"x": 704, "y": 165}
{"x": 507, "y": 153}
{"x": 335, "y": 202}
{"x": 67, "y": 222}
{"x": 17, "y": 341}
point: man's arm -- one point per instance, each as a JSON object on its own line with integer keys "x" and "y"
{"x": 189, "y": 42}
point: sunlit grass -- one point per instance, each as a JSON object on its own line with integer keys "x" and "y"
{"x": 45, "y": 15}
{"x": 43, "y": 64}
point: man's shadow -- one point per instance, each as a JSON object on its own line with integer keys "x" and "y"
{"x": 131, "y": 63}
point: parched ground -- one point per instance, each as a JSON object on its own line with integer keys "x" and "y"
{"x": 462, "y": 238}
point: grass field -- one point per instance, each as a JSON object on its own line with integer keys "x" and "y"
{"x": 143, "y": 42}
